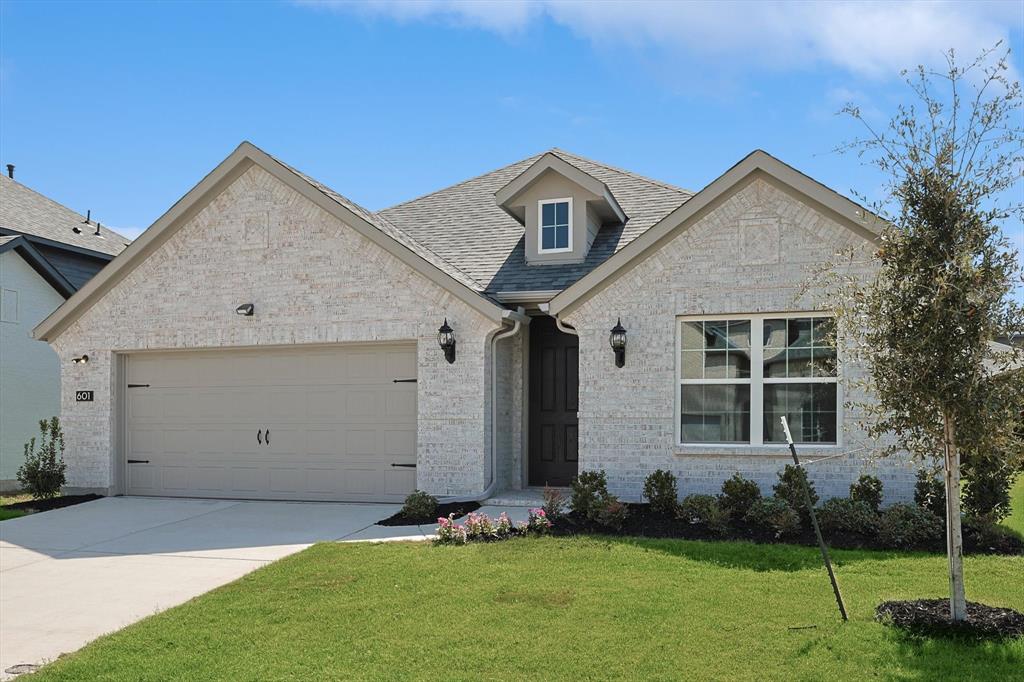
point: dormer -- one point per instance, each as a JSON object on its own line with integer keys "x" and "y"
{"x": 561, "y": 207}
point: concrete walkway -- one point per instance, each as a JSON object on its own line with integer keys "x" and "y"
{"x": 70, "y": 575}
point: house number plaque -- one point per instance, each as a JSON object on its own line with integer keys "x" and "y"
{"x": 83, "y": 396}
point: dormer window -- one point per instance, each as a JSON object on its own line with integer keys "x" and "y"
{"x": 555, "y": 225}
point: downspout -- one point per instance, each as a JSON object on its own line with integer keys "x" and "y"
{"x": 545, "y": 308}
{"x": 518, "y": 318}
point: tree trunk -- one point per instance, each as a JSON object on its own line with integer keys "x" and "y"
{"x": 954, "y": 538}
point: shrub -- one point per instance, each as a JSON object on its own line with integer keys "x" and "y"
{"x": 480, "y": 528}
{"x": 987, "y": 482}
{"x": 983, "y": 535}
{"x": 589, "y": 492}
{"x": 773, "y": 515}
{"x": 554, "y": 503}
{"x": 738, "y": 495}
{"x": 930, "y": 492}
{"x": 840, "y": 515}
{"x": 538, "y": 523}
{"x": 704, "y": 511}
{"x": 42, "y": 473}
{"x": 791, "y": 489}
{"x": 449, "y": 532}
{"x": 868, "y": 490}
{"x": 419, "y": 505}
{"x": 907, "y": 526}
{"x": 660, "y": 490}
{"x": 611, "y": 513}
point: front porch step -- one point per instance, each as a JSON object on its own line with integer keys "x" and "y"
{"x": 528, "y": 497}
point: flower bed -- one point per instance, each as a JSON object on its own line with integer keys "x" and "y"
{"x": 481, "y": 528}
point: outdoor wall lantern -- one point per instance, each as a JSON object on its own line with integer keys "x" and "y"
{"x": 446, "y": 339}
{"x": 81, "y": 360}
{"x": 246, "y": 309}
{"x": 617, "y": 340}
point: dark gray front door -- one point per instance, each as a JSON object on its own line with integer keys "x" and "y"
{"x": 554, "y": 401}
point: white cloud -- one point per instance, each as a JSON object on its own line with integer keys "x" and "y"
{"x": 874, "y": 39}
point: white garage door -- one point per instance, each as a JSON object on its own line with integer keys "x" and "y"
{"x": 320, "y": 423}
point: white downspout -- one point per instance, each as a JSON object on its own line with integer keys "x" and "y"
{"x": 519, "y": 318}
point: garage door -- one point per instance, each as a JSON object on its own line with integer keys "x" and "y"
{"x": 323, "y": 423}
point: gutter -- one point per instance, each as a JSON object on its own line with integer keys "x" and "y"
{"x": 518, "y": 319}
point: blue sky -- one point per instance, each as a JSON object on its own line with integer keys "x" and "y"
{"x": 122, "y": 107}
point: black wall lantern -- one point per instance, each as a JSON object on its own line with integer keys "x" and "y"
{"x": 245, "y": 310}
{"x": 81, "y": 360}
{"x": 617, "y": 340}
{"x": 446, "y": 339}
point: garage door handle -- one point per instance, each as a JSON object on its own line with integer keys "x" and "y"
{"x": 409, "y": 466}
{"x": 259, "y": 436}
{"x": 138, "y": 461}
{"x": 403, "y": 381}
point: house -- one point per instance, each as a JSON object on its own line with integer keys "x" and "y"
{"x": 269, "y": 338}
{"x": 47, "y": 251}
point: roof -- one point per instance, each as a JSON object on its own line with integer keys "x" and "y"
{"x": 38, "y": 262}
{"x": 28, "y": 212}
{"x": 846, "y": 212}
{"x": 370, "y": 225}
{"x": 465, "y": 226}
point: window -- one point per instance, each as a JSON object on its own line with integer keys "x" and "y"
{"x": 555, "y": 225}
{"x": 8, "y": 305}
{"x": 739, "y": 374}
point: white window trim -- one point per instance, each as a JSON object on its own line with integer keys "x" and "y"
{"x": 756, "y": 382}
{"x": 540, "y": 224}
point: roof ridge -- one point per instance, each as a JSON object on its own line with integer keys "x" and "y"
{"x": 637, "y": 176}
{"x": 321, "y": 187}
{"x": 63, "y": 207}
{"x": 464, "y": 182}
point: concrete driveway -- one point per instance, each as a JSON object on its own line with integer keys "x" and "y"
{"x": 70, "y": 575}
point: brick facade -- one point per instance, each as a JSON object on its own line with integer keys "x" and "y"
{"x": 750, "y": 254}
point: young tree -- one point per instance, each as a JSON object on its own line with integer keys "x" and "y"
{"x": 943, "y": 289}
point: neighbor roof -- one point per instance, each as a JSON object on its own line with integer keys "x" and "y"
{"x": 464, "y": 225}
{"x": 20, "y": 245}
{"x": 28, "y": 212}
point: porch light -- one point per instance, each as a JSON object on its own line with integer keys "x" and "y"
{"x": 81, "y": 360}
{"x": 446, "y": 339}
{"x": 617, "y": 340}
{"x": 245, "y": 310}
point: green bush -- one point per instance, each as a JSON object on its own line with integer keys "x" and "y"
{"x": 738, "y": 495}
{"x": 420, "y": 505}
{"x": 773, "y": 515}
{"x": 987, "y": 482}
{"x": 841, "y": 515}
{"x": 791, "y": 489}
{"x": 661, "y": 491}
{"x": 589, "y": 492}
{"x": 982, "y": 535}
{"x": 930, "y": 492}
{"x": 867, "y": 489}
{"x": 704, "y": 511}
{"x": 907, "y": 526}
{"x": 42, "y": 473}
{"x": 611, "y": 513}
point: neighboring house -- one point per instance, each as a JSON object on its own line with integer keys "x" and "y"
{"x": 269, "y": 338}
{"x": 43, "y": 260}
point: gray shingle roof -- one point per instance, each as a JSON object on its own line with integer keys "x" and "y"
{"x": 28, "y": 212}
{"x": 463, "y": 225}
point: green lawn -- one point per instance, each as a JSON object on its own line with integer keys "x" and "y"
{"x": 556, "y": 608}
{"x": 12, "y": 498}
{"x": 1016, "y": 519}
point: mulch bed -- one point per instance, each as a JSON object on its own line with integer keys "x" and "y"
{"x": 642, "y": 522}
{"x": 931, "y": 617}
{"x": 458, "y": 508}
{"x": 52, "y": 503}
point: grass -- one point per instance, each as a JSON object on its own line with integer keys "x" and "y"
{"x": 12, "y": 498}
{"x": 559, "y": 608}
{"x": 1016, "y": 519}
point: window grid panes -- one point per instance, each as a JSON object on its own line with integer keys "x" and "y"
{"x": 725, "y": 383}
{"x": 554, "y": 225}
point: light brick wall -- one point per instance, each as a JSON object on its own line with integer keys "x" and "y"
{"x": 313, "y": 280}
{"x": 749, "y": 255}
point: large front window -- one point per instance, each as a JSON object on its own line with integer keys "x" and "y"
{"x": 555, "y": 225}
{"x": 739, "y": 374}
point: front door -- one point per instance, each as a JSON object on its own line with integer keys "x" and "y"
{"x": 554, "y": 400}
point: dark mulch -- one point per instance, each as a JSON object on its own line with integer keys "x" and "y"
{"x": 458, "y": 508}
{"x": 931, "y": 617}
{"x": 642, "y": 522}
{"x": 52, "y": 503}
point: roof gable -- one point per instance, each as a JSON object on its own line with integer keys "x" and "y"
{"x": 551, "y": 162}
{"x": 758, "y": 163}
{"x": 379, "y": 231}
{"x": 38, "y": 262}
